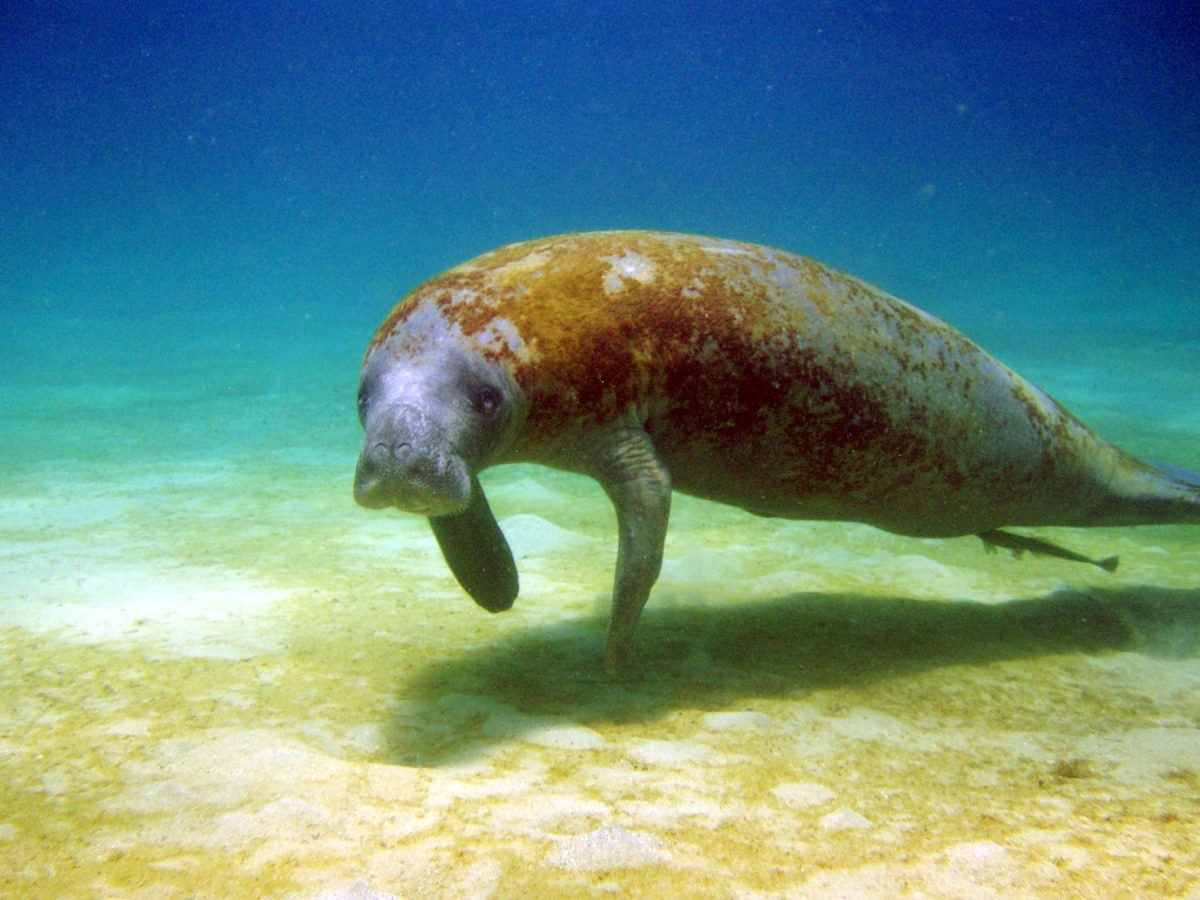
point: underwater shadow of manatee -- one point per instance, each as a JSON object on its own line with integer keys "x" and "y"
{"x": 711, "y": 657}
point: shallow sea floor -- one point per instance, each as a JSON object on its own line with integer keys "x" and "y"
{"x": 220, "y": 678}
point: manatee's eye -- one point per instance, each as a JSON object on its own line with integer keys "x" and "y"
{"x": 487, "y": 400}
{"x": 364, "y": 397}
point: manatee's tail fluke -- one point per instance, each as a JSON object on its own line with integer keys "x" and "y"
{"x": 1129, "y": 491}
{"x": 1179, "y": 473}
{"x": 1020, "y": 545}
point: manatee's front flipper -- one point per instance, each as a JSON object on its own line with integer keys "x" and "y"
{"x": 638, "y": 484}
{"x": 477, "y": 553}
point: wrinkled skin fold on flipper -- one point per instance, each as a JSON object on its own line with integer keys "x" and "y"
{"x": 624, "y": 461}
{"x": 477, "y": 553}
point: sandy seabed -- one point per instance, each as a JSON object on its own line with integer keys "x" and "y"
{"x": 220, "y": 678}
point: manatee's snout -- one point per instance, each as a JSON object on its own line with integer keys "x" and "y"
{"x": 400, "y": 473}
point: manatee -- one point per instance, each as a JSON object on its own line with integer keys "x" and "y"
{"x": 742, "y": 374}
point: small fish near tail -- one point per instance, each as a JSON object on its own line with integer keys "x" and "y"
{"x": 1019, "y": 545}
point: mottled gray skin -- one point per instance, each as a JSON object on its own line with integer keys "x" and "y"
{"x": 737, "y": 373}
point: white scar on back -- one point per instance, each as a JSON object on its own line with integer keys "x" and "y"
{"x": 628, "y": 265}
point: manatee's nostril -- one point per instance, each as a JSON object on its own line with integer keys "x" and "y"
{"x": 402, "y": 452}
{"x": 377, "y": 455}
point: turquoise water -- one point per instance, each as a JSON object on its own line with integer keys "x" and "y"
{"x": 221, "y": 678}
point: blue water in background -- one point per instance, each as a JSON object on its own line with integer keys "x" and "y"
{"x": 251, "y": 164}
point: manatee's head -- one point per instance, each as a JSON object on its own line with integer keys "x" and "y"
{"x": 435, "y": 411}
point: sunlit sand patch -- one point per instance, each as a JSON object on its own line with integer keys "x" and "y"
{"x": 530, "y": 535}
{"x": 183, "y": 609}
{"x": 606, "y": 849}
